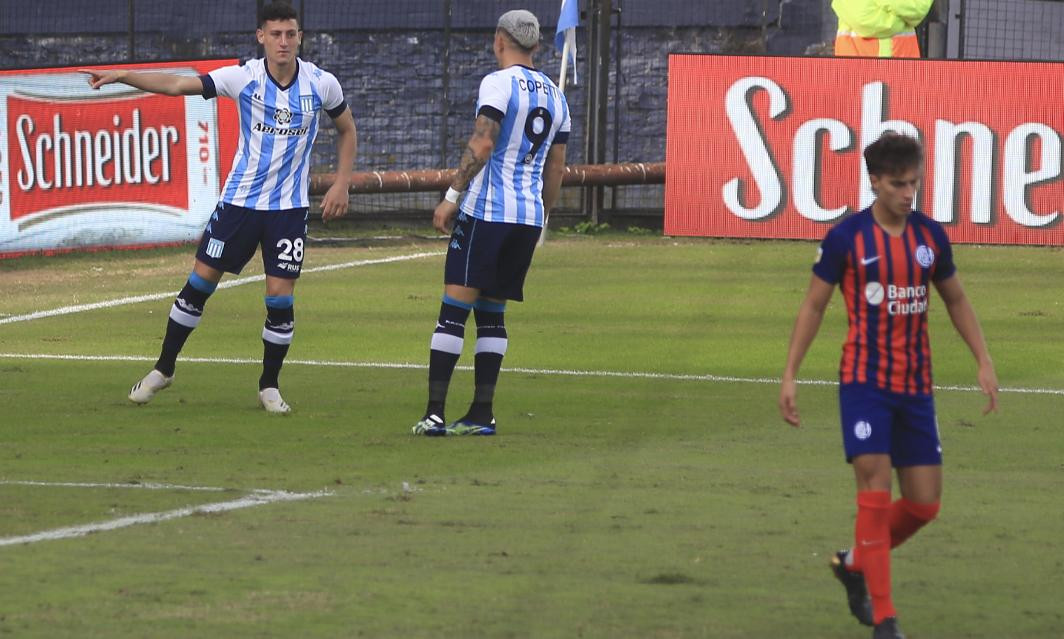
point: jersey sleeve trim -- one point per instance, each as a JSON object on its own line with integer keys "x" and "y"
{"x": 945, "y": 266}
{"x": 209, "y": 89}
{"x": 491, "y": 113}
{"x": 824, "y": 275}
{"x": 561, "y": 137}
{"x": 830, "y": 261}
{"x": 337, "y": 110}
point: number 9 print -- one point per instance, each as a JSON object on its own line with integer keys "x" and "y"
{"x": 537, "y": 128}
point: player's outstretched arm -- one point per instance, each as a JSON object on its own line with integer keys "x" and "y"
{"x": 153, "y": 82}
{"x": 477, "y": 153}
{"x": 336, "y": 199}
{"x": 810, "y": 315}
{"x": 964, "y": 320}
{"x": 552, "y": 176}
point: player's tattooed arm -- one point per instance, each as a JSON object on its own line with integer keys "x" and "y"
{"x": 478, "y": 151}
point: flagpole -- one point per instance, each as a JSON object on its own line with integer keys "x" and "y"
{"x": 561, "y": 86}
{"x": 565, "y": 65}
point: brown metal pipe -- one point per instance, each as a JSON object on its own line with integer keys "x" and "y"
{"x": 439, "y": 179}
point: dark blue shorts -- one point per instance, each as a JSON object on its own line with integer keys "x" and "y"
{"x": 490, "y": 256}
{"x": 879, "y": 421}
{"x": 234, "y": 232}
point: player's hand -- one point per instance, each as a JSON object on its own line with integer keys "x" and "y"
{"x": 989, "y": 383}
{"x": 334, "y": 204}
{"x": 788, "y": 402}
{"x": 98, "y": 78}
{"x": 443, "y": 216}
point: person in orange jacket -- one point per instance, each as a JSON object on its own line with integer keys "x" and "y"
{"x": 879, "y": 28}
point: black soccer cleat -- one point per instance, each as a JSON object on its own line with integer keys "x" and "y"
{"x": 887, "y": 629}
{"x": 856, "y": 591}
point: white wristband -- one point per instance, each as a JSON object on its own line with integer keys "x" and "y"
{"x": 452, "y": 195}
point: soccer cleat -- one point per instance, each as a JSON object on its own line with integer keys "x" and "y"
{"x": 270, "y": 399}
{"x": 145, "y": 389}
{"x": 466, "y": 427}
{"x": 430, "y": 426}
{"x": 856, "y": 591}
{"x": 887, "y": 629}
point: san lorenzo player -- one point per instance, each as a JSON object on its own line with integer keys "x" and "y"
{"x": 883, "y": 260}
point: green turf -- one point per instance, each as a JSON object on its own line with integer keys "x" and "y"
{"x": 606, "y": 507}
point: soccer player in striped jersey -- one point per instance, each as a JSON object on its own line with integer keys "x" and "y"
{"x": 264, "y": 201}
{"x": 884, "y": 260}
{"x": 509, "y": 178}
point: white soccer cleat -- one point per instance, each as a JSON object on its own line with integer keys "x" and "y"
{"x": 145, "y": 389}
{"x": 270, "y": 399}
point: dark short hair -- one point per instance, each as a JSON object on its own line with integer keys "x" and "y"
{"x": 277, "y": 11}
{"x": 893, "y": 153}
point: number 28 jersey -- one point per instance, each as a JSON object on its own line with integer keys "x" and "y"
{"x": 278, "y": 125}
{"x": 532, "y": 115}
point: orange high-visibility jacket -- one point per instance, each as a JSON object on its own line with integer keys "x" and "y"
{"x": 879, "y": 28}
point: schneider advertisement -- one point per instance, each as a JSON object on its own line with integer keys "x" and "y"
{"x": 771, "y": 147}
{"x": 83, "y": 168}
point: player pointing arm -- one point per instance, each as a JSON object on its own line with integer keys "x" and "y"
{"x": 264, "y": 202}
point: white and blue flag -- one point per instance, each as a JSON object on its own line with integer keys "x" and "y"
{"x": 568, "y": 20}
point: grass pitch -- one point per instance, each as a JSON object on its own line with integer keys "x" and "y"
{"x": 631, "y": 504}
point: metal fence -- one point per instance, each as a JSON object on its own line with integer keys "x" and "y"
{"x": 1012, "y": 29}
{"x": 410, "y": 69}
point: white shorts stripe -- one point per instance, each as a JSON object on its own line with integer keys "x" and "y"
{"x": 447, "y": 343}
{"x": 492, "y": 345}
{"x": 277, "y": 338}
{"x": 183, "y": 318}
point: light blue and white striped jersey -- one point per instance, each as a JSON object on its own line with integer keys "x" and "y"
{"x": 533, "y": 115}
{"x": 271, "y": 170}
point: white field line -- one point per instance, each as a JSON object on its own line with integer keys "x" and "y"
{"x": 136, "y": 299}
{"x": 256, "y": 498}
{"x": 530, "y": 371}
{"x": 141, "y": 485}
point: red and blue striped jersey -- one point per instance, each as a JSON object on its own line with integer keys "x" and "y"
{"x": 885, "y": 281}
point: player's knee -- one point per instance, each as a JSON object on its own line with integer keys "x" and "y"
{"x": 280, "y": 319}
{"x": 453, "y": 316}
{"x": 190, "y": 302}
{"x": 490, "y": 318}
{"x": 923, "y": 511}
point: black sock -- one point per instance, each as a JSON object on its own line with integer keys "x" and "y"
{"x": 276, "y": 337}
{"x": 185, "y": 315}
{"x": 446, "y": 348}
{"x": 491, "y": 347}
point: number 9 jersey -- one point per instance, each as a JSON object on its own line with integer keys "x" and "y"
{"x": 532, "y": 115}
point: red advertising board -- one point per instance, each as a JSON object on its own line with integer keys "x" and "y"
{"x": 81, "y": 168}
{"x": 770, "y": 147}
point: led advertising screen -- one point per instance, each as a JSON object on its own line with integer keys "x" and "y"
{"x": 770, "y": 147}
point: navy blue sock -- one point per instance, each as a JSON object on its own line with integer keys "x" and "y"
{"x": 446, "y": 348}
{"x": 276, "y": 337}
{"x": 185, "y": 315}
{"x": 491, "y": 347}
